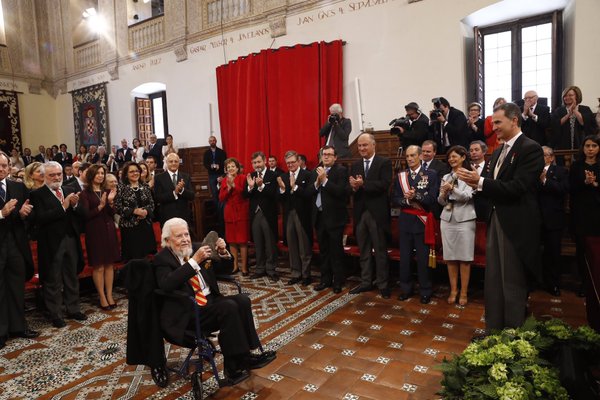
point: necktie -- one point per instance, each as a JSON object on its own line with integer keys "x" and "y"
{"x": 59, "y": 195}
{"x": 367, "y": 162}
{"x": 501, "y": 159}
{"x": 199, "y": 296}
{"x": 2, "y": 191}
{"x": 475, "y": 167}
{"x": 413, "y": 175}
{"x": 259, "y": 174}
{"x": 174, "y": 179}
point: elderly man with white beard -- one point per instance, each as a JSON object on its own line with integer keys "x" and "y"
{"x": 190, "y": 269}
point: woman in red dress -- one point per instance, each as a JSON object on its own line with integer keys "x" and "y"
{"x": 101, "y": 241}
{"x": 236, "y": 214}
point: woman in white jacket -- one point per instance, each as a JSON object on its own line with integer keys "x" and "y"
{"x": 457, "y": 224}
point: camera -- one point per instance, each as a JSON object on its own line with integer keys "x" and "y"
{"x": 433, "y": 115}
{"x": 333, "y": 118}
{"x": 398, "y": 123}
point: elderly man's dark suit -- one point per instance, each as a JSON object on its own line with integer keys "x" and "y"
{"x": 512, "y": 251}
{"x": 329, "y": 222}
{"x": 263, "y": 221}
{"x": 230, "y": 315}
{"x": 16, "y": 264}
{"x": 536, "y": 130}
{"x": 58, "y": 230}
{"x": 371, "y": 201}
{"x": 412, "y": 230}
{"x": 341, "y": 133}
{"x": 171, "y": 207}
{"x": 297, "y": 210}
{"x": 552, "y": 195}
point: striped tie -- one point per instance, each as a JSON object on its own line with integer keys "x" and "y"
{"x": 200, "y": 297}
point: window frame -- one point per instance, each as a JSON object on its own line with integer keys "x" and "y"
{"x": 515, "y": 27}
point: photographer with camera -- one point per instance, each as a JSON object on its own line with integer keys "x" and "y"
{"x": 449, "y": 126}
{"x": 412, "y": 129}
{"x": 337, "y": 130}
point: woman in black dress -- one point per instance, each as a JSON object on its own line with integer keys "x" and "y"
{"x": 101, "y": 241}
{"x": 134, "y": 204}
{"x": 584, "y": 177}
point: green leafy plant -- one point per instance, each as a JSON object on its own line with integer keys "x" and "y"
{"x": 515, "y": 364}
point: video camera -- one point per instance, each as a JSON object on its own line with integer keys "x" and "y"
{"x": 433, "y": 115}
{"x": 398, "y": 123}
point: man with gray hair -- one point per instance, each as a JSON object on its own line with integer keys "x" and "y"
{"x": 370, "y": 179}
{"x": 59, "y": 247}
{"x": 189, "y": 268}
{"x": 337, "y": 130}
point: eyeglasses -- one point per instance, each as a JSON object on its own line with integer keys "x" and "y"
{"x": 328, "y": 154}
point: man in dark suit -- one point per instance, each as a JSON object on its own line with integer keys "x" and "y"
{"x": 296, "y": 218}
{"x": 336, "y": 131}
{"x": 124, "y": 153}
{"x": 173, "y": 191}
{"x": 261, "y": 189}
{"x": 449, "y": 126}
{"x": 477, "y": 151}
{"x": 59, "y": 247}
{"x": 536, "y": 118}
{"x": 428, "y": 153}
{"x": 329, "y": 189}
{"x": 416, "y": 191}
{"x": 514, "y": 222}
{"x": 370, "y": 179}
{"x": 272, "y": 163}
{"x": 553, "y": 189}
{"x": 191, "y": 270}
{"x": 27, "y": 157}
{"x": 16, "y": 264}
{"x": 214, "y": 162}
{"x": 154, "y": 148}
{"x": 63, "y": 157}
{"x": 41, "y": 156}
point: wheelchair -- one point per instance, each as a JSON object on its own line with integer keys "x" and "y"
{"x": 201, "y": 347}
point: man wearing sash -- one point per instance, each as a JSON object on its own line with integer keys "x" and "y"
{"x": 416, "y": 191}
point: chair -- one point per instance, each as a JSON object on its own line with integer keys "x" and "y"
{"x": 198, "y": 341}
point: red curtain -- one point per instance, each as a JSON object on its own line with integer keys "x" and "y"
{"x": 273, "y": 101}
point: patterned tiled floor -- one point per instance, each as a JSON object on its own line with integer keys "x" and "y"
{"x": 329, "y": 347}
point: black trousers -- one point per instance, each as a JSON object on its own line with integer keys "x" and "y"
{"x": 12, "y": 287}
{"x": 331, "y": 249}
{"x": 551, "y": 240}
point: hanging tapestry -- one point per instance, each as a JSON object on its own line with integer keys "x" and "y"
{"x": 90, "y": 113}
{"x": 10, "y": 127}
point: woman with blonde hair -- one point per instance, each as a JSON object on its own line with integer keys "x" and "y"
{"x": 34, "y": 176}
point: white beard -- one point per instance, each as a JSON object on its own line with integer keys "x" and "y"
{"x": 183, "y": 253}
